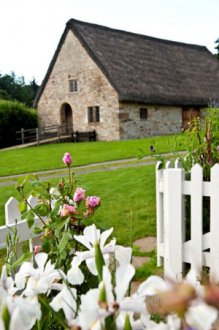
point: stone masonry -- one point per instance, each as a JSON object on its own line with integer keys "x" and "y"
{"x": 117, "y": 120}
{"x": 160, "y": 120}
{"x": 93, "y": 90}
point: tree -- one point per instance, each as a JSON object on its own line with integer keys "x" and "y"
{"x": 15, "y": 89}
{"x": 217, "y": 48}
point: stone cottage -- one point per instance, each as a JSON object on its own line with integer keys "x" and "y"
{"x": 125, "y": 85}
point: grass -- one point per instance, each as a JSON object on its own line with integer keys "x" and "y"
{"x": 128, "y": 201}
{"x": 48, "y": 157}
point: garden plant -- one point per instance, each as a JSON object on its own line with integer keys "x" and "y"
{"x": 80, "y": 278}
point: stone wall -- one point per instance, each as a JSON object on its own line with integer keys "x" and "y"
{"x": 73, "y": 62}
{"x": 160, "y": 120}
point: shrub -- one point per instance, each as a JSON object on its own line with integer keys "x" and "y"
{"x": 13, "y": 117}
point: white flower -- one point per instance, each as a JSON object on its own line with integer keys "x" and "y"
{"x": 75, "y": 275}
{"x": 92, "y": 236}
{"x": 91, "y": 314}
{"x": 24, "y": 312}
{"x": 152, "y": 286}
{"x": 93, "y": 311}
{"x": 201, "y": 316}
{"x": 66, "y": 300}
{"x": 7, "y": 283}
{"x": 40, "y": 279}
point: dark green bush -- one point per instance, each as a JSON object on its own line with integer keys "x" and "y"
{"x": 13, "y": 117}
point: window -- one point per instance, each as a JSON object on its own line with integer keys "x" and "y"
{"x": 73, "y": 85}
{"x": 143, "y": 113}
{"x": 93, "y": 114}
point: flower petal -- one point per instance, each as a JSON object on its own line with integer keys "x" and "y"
{"x": 124, "y": 274}
{"x": 75, "y": 275}
{"x": 104, "y": 236}
{"x": 153, "y": 285}
{"x": 123, "y": 254}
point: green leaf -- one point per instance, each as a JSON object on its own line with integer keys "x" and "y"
{"x": 46, "y": 245}
{"x": 6, "y": 317}
{"x": 21, "y": 181}
{"x": 60, "y": 223}
{"x": 37, "y": 230}
{"x": 102, "y": 295}
{"x": 41, "y": 209}
{"x": 30, "y": 219}
{"x": 22, "y": 206}
{"x": 99, "y": 260}
{"x": 63, "y": 255}
{"x": 25, "y": 257}
{"x": 127, "y": 325}
{"x": 36, "y": 183}
{"x": 64, "y": 241}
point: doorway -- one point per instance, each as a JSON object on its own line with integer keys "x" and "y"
{"x": 188, "y": 114}
{"x": 66, "y": 119}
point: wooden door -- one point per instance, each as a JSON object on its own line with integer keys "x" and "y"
{"x": 188, "y": 114}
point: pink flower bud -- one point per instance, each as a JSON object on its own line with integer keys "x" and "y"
{"x": 67, "y": 159}
{"x": 217, "y": 148}
{"x": 36, "y": 249}
{"x": 79, "y": 195}
{"x": 92, "y": 202}
{"x": 67, "y": 210}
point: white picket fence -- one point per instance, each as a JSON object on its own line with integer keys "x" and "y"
{"x": 13, "y": 220}
{"x": 172, "y": 249}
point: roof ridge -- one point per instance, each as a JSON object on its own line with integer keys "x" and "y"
{"x": 74, "y": 21}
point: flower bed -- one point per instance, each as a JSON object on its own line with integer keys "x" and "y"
{"x": 79, "y": 278}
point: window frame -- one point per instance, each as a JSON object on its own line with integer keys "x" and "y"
{"x": 93, "y": 114}
{"x": 143, "y": 113}
{"x": 73, "y": 85}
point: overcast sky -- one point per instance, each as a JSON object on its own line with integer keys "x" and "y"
{"x": 30, "y": 29}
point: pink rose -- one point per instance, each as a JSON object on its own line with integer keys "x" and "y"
{"x": 67, "y": 210}
{"x": 67, "y": 159}
{"x": 92, "y": 202}
{"x": 79, "y": 195}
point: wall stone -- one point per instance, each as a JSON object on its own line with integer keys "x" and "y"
{"x": 73, "y": 62}
{"x": 161, "y": 120}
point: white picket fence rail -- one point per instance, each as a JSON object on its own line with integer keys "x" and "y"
{"x": 13, "y": 220}
{"x": 172, "y": 249}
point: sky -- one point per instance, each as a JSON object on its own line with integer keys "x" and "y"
{"x": 31, "y": 29}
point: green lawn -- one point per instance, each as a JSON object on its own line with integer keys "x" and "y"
{"x": 47, "y": 157}
{"x": 128, "y": 200}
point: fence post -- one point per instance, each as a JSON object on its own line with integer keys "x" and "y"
{"x": 59, "y": 133}
{"x": 214, "y": 224}
{"x": 37, "y": 136}
{"x": 173, "y": 222}
{"x": 22, "y": 135}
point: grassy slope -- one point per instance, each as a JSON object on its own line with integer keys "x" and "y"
{"x": 128, "y": 200}
{"x": 34, "y": 159}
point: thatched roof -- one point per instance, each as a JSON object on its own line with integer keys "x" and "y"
{"x": 146, "y": 69}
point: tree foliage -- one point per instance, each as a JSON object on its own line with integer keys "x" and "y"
{"x": 217, "y": 48}
{"x": 15, "y": 89}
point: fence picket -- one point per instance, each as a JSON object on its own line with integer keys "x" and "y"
{"x": 12, "y": 211}
{"x": 214, "y": 223}
{"x": 13, "y": 221}
{"x": 173, "y": 222}
{"x": 159, "y": 210}
{"x": 202, "y": 249}
{"x": 196, "y": 254}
